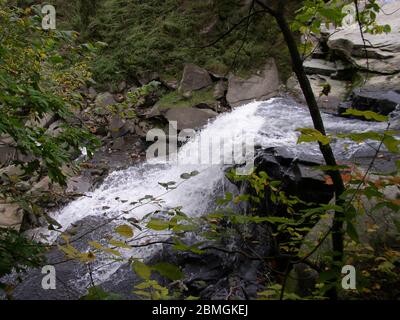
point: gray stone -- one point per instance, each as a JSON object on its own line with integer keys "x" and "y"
{"x": 132, "y": 89}
{"x": 220, "y": 89}
{"x": 104, "y": 100}
{"x": 261, "y": 86}
{"x": 122, "y": 86}
{"x": 327, "y": 68}
{"x": 338, "y": 91}
{"x": 10, "y": 215}
{"x": 383, "y": 49}
{"x": 55, "y": 129}
{"x": 147, "y": 77}
{"x": 92, "y": 93}
{"x": 194, "y": 78}
{"x": 153, "y": 112}
{"x": 190, "y": 118}
{"x": 11, "y": 171}
{"x": 374, "y": 99}
{"x": 116, "y": 127}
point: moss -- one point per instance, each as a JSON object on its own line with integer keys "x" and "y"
{"x": 162, "y": 35}
{"x": 176, "y": 100}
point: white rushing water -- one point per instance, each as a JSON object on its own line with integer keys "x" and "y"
{"x": 271, "y": 123}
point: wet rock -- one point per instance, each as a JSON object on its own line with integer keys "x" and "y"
{"x": 194, "y": 78}
{"x": 297, "y": 172}
{"x": 373, "y": 99}
{"x": 261, "y": 86}
{"x": 72, "y": 276}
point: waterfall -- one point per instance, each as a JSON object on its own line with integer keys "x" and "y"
{"x": 271, "y": 123}
{"x": 268, "y": 124}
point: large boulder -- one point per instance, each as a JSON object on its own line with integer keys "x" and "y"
{"x": 383, "y": 49}
{"x": 374, "y": 99}
{"x": 103, "y": 100}
{"x": 190, "y": 118}
{"x": 336, "y": 69}
{"x": 117, "y": 127}
{"x": 261, "y": 86}
{"x": 11, "y": 215}
{"x": 297, "y": 172}
{"x": 338, "y": 91}
{"x": 194, "y": 78}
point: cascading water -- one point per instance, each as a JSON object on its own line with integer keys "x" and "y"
{"x": 266, "y": 124}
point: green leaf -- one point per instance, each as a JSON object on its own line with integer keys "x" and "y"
{"x": 56, "y": 59}
{"x": 158, "y": 224}
{"x": 99, "y": 246}
{"x": 119, "y": 244}
{"x": 312, "y": 135}
{"x": 124, "y": 231}
{"x": 391, "y": 143}
{"x": 352, "y": 232}
{"x": 369, "y": 115}
{"x": 397, "y": 224}
{"x": 168, "y": 270}
{"x": 142, "y": 270}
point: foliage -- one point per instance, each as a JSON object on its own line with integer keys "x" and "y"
{"x": 366, "y": 193}
{"x": 17, "y": 253}
{"x": 37, "y": 82}
{"x": 315, "y": 14}
{"x": 176, "y": 100}
{"x": 41, "y": 74}
{"x": 163, "y": 35}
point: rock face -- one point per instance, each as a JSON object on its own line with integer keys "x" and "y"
{"x": 383, "y": 49}
{"x": 374, "y": 99}
{"x": 297, "y": 174}
{"x": 260, "y": 86}
{"x": 336, "y": 70}
{"x": 10, "y": 215}
{"x": 105, "y": 99}
{"x": 190, "y": 118}
{"x": 117, "y": 127}
{"x": 328, "y": 103}
{"x": 194, "y": 78}
{"x": 220, "y": 90}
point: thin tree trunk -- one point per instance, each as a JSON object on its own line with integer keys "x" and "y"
{"x": 326, "y": 150}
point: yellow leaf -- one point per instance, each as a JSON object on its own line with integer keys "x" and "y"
{"x": 119, "y": 244}
{"x": 124, "y": 231}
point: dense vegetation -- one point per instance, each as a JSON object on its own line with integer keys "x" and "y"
{"x": 163, "y": 35}
{"x": 42, "y": 75}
